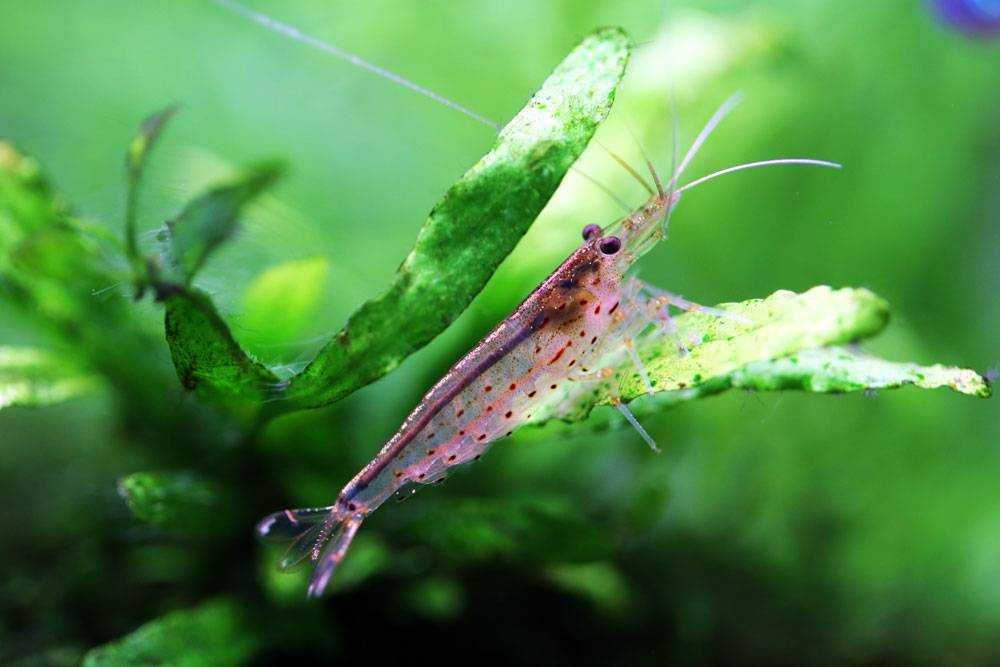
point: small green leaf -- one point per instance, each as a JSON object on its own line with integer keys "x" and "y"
{"x": 135, "y": 161}
{"x": 474, "y": 226}
{"x": 208, "y": 359}
{"x": 27, "y": 202}
{"x": 209, "y": 220}
{"x": 216, "y": 633}
{"x": 601, "y": 583}
{"x": 280, "y": 302}
{"x": 35, "y": 378}
{"x": 175, "y": 501}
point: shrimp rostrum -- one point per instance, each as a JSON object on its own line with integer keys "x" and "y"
{"x": 576, "y": 325}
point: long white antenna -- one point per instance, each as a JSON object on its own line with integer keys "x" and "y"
{"x": 294, "y": 33}
{"x": 710, "y": 126}
{"x": 755, "y": 165}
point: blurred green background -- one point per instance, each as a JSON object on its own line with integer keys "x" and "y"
{"x": 779, "y": 528}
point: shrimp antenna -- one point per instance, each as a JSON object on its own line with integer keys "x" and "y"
{"x": 649, "y": 164}
{"x": 762, "y": 163}
{"x": 294, "y": 33}
{"x": 603, "y": 188}
{"x": 675, "y": 133}
{"x": 710, "y": 126}
{"x": 629, "y": 168}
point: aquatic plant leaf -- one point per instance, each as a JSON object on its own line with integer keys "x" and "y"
{"x": 473, "y": 227}
{"x": 215, "y": 633}
{"x": 180, "y": 502}
{"x": 209, "y": 220}
{"x": 207, "y": 358}
{"x": 27, "y": 202}
{"x": 34, "y": 378}
{"x": 771, "y": 344}
{"x": 135, "y": 162}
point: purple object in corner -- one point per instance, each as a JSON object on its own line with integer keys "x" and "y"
{"x": 979, "y": 18}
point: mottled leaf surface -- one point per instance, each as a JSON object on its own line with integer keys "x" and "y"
{"x": 768, "y": 344}
{"x": 474, "y": 227}
{"x": 206, "y": 356}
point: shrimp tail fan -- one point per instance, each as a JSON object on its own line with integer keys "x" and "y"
{"x": 318, "y": 534}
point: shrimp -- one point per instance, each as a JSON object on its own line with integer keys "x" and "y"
{"x": 578, "y": 324}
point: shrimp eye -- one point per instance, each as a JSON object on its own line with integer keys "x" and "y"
{"x": 611, "y": 245}
{"x": 590, "y": 231}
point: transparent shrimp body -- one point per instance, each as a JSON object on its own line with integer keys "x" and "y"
{"x": 577, "y": 325}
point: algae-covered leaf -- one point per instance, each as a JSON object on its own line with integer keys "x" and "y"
{"x": 474, "y": 226}
{"x": 836, "y": 370}
{"x": 831, "y": 370}
{"x": 208, "y": 220}
{"x": 767, "y": 344}
{"x": 33, "y": 378}
{"x": 181, "y": 502}
{"x": 206, "y": 356}
{"x": 218, "y": 632}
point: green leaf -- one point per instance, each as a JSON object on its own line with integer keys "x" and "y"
{"x": 828, "y": 370}
{"x": 280, "y": 302}
{"x": 26, "y": 199}
{"x": 601, "y": 583}
{"x": 35, "y": 378}
{"x": 216, "y": 633}
{"x": 768, "y": 344}
{"x": 474, "y": 226}
{"x": 208, "y": 359}
{"x": 209, "y": 220}
{"x": 180, "y": 502}
{"x": 837, "y": 370}
{"x": 135, "y": 162}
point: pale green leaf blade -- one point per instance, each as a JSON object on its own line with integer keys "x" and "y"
{"x": 34, "y": 378}
{"x": 836, "y": 370}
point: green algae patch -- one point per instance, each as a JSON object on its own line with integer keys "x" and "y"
{"x": 786, "y": 341}
{"x": 208, "y": 359}
{"x": 218, "y": 632}
{"x": 474, "y": 227}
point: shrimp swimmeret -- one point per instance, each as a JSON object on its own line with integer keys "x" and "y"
{"x": 578, "y": 324}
